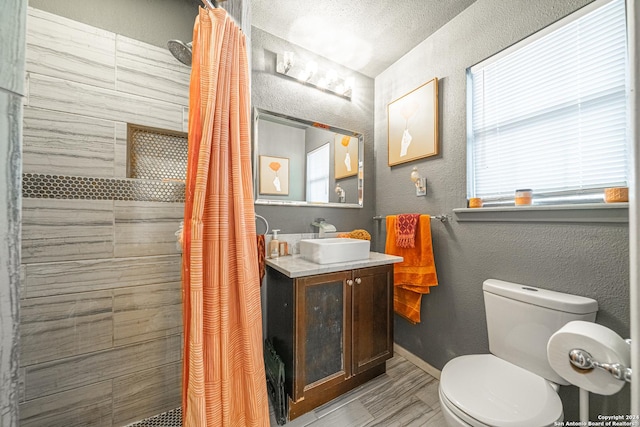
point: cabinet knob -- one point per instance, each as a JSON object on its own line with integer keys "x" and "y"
{"x": 349, "y": 282}
{"x": 358, "y": 280}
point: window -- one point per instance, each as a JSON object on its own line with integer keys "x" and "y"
{"x": 550, "y": 113}
{"x": 318, "y": 174}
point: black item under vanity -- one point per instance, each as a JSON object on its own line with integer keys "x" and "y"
{"x": 275, "y": 382}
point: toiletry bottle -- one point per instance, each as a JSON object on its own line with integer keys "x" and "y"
{"x": 274, "y": 245}
{"x": 284, "y": 249}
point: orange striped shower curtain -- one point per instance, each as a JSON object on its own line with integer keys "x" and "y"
{"x": 223, "y": 368}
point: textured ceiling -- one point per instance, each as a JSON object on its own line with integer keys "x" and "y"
{"x": 364, "y": 35}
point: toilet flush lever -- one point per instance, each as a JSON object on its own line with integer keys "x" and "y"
{"x": 582, "y": 359}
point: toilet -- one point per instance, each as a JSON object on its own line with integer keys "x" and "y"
{"x": 514, "y": 386}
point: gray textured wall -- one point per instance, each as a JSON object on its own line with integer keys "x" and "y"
{"x": 273, "y": 92}
{"x": 12, "y": 36}
{"x": 583, "y": 259}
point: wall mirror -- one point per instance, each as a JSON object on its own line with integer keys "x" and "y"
{"x": 305, "y": 163}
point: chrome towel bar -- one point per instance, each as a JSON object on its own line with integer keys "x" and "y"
{"x": 441, "y": 218}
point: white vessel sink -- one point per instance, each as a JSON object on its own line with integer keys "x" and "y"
{"x": 331, "y": 250}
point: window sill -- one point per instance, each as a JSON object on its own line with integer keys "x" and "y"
{"x": 591, "y": 212}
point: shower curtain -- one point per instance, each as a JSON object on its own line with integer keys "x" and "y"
{"x": 223, "y": 370}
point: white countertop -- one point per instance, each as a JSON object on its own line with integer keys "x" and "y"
{"x": 295, "y": 266}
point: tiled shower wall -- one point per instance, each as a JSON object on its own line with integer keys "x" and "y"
{"x": 100, "y": 300}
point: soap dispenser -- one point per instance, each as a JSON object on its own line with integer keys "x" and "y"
{"x": 274, "y": 245}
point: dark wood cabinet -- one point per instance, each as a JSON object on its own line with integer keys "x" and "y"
{"x": 333, "y": 331}
{"x": 372, "y": 317}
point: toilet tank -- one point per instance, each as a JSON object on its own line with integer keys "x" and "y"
{"x": 521, "y": 319}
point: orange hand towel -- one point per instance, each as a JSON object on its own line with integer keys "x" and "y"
{"x": 406, "y": 225}
{"x": 417, "y": 273}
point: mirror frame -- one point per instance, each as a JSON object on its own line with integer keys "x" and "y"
{"x": 261, "y": 200}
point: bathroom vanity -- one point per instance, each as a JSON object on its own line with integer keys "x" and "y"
{"x": 331, "y": 324}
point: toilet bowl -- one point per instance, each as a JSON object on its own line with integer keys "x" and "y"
{"x": 483, "y": 390}
{"x": 514, "y": 386}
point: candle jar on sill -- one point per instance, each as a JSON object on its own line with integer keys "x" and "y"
{"x": 475, "y": 202}
{"x": 524, "y": 197}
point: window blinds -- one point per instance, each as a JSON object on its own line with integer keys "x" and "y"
{"x": 551, "y": 114}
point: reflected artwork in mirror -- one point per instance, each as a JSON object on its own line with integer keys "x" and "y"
{"x": 325, "y": 164}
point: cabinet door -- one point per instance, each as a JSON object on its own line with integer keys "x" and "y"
{"x": 323, "y": 332}
{"x": 372, "y": 317}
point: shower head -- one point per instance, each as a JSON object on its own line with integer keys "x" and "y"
{"x": 181, "y": 50}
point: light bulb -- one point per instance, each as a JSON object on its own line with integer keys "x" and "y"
{"x": 288, "y": 61}
{"x": 419, "y": 182}
{"x": 331, "y": 76}
{"x": 303, "y": 75}
{"x": 415, "y": 175}
{"x": 348, "y": 83}
{"x": 312, "y": 67}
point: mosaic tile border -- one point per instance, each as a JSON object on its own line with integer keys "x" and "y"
{"x": 41, "y": 186}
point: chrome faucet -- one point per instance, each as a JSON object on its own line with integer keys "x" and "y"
{"x": 323, "y": 227}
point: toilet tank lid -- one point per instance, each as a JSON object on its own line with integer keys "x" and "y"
{"x": 541, "y": 297}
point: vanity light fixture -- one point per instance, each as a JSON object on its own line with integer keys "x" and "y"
{"x": 419, "y": 182}
{"x": 308, "y": 73}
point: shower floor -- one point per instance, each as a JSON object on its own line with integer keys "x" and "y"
{"x": 171, "y": 418}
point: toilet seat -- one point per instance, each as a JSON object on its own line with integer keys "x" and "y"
{"x": 484, "y": 390}
{"x": 454, "y": 414}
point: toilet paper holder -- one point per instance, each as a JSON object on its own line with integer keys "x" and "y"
{"x": 582, "y": 359}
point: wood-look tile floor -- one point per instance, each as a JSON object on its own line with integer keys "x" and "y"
{"x": 404, "y": 396}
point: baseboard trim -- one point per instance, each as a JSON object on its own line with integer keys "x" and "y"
{"x": 417, "y": 361}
